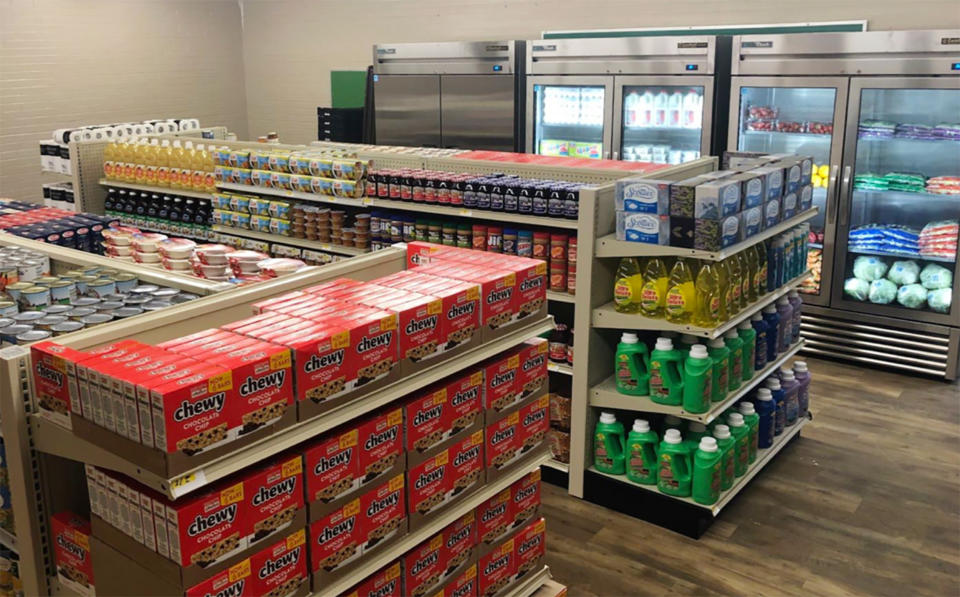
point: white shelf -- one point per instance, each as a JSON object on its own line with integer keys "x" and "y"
{"x": 379, "y": 559}
{"x": 428, "y": 208}
{"x": 563, "y": 467}
{"x": 53, "y": 439}
{"x": 605, "y": 395}
{"x": 609, "y": 246}
{"x": 290, "y": 240}
{"x": 764, "y": 456}
{"x": 896, "y": 255}
{"x": 560, "y": 297}
{"x": 8, "y": 540}
{"x": 532, "y": 584}
{"x": 786, "y": 134}
{"x": 608, "y": 317}
{"x": 559, "y": 368}
{"x": 149, "y": 189}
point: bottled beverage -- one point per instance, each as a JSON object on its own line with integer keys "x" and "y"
{"x": 795, "y": 302}
{"x": 197, "y": 168}
{"x": 660, "y": 105}
{"x": 772, "y": 318}
{"x": 779, "y": 401}
{"x": 697, "y": 380}
{"x": 177, "y": 157}
{"x": 110, "y": 160}
{"x": 790, "y": 396}
{"x": 632, "y": 366}
{"x": 692, "y": 110}
{"x": 630, "y": 104}
{"x": 752, "y": 419}
{"x": 681, "y": 293}
{"x": 653, "y": 296}
{"x": 137, "y": 156}
{"x": 767, "y": 412}
{"x": 802, "y": 375}
{"x": 187, "y": 166}
{"x": 736, "y": 284}
{"x": 151, "y": 158}
{"x": 707, "y": 473}
{"x": 721, "y": 368}
{"x": 785, "y": 329}
{"x": 708, "y": 297}
{"x": 674, "y": 468}
{"x": 748, "y": 336}
{"x": 608, "y": 445}
{"x": 675, "y": 109}
{"x": 642, "y": 453}
{"x": 645, "y": 108}
{"x": 628, "y": 286}
{"x": 728, "y": 455}
{"x": 735, "y": 344}
{"x": 741, "y": 435}
{"x": 666, "y": 378}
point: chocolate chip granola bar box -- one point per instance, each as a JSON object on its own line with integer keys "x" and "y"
{"x": 71, "y": 552}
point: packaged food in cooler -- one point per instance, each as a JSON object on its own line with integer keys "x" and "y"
{"x": 790, "y": 126}
{"x": 939, "y": 299}
{"x": 935, "y": 276}
{"x": 820, "y": 128}
{"x": 909, "y": 182}
{"x": 876, "y": 129}
{"x": 912, "y": 296}
{"x": 907, "y": 130}
{"x": 882, "y": 291}
{"x": 944, "y": 185}
{"x": 856, "y": 288}
{"x": 904, "y": 272}
{"x": 762, "y": 112}
{"x": 947, "y": 130}
{"x": 760, "y": 125}
{"x": 869, "y": 269}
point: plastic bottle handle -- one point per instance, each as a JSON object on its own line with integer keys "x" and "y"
{"x": 680, "y": 466}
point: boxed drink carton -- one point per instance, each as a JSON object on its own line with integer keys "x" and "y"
{"x": 71, "y": 552}
{"x": 423, "y": 567}
{"x": 497, "y": 568}
{"x": 387, "y": 582}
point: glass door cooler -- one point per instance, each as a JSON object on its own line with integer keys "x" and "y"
{"x": 571, "y": 116}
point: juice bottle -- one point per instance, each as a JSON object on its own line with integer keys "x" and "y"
{"x": 760, "y": 280}
{"x": 697, "y": 380}
{"x": 767, "y": 413}
{"x": 735, "y": 344}
{"x": 802, "y": 375}
{"x": 209, "y": 180}
{"x": 653, "y": 295}
{"x": 707, "y": 472}
{"x": 707, "y": 303}
{"x": 721, "y": 368}
{"x": 608, "y": 445}
{"x": 752, "y": 419}
{"x": 749, "y": 337}
{"x": 632, "y": 366}
{"x": 125, "y": 166}
{"x": 642, "y": 453}
{"x": 673, "y": 471}
{"x": 109, "y": 160}
{"x": 681, "y": 293}
{"x": 186, "y": 166}
{"x": 139, "y": 162}
{"x": 151, "y": 155}
{"x": 746, "y": 279}
{"x": 738, "y": 428}
{"x": 728, "y": 455}
{"x": 666, "y": 378}
{"x": 628, "y": 286}
{"x": 177, "y": 157}
{"x": 163, "y": 164}
{"x": 723, "y": 277}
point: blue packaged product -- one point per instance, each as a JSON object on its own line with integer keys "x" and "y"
{"x": 788, "y": 206}
{"x": 643, "y": 228}
{"x": 540, "y": 200}
{"x": 555, "y": 201}
{"x": 717, "y": 199}
{"x": 483, "y": 194}
{"x": 643, "y": 195}
{"x": 772, "y": 180}
{"x": 780, "y": 403}
{"x": 571, "y": 202}
{"x": 805, "y": 200}
{"x": 771, "y": 213}
{"x": 766, "y": 409}
{"x": 760, "y": 351}
{"x": 751, "y": 222}
{"x": 511, "y": 192}
{"x": 772, "y": 318}
{"x": 751, "y": 190}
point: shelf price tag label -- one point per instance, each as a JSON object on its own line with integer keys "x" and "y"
{"x": 187, "y": 483}
{"x": 466, "y": 213}
{"x": 366, "y": 201}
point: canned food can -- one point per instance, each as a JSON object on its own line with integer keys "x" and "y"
{"x": 33, "y": 336}
{"x": 145, "y": 289}
{"x": 101, "y": 287}
{"x": 72, "y": 275}
{"x": 124, "y": 312}
{"x": 35, "y": 298}
{"x": 66, "y": 327}
{"x": 183, "y": 297}
{"x": 32, "y": 269}
{"x": 165, "y": 293}
{"x": 96, "y": 319}
{"x": 78, "y": 313}
{"x": 63, "y": 292}
{"x": 8, "y": 308}
{"x": 28, "y": 316}
{"x": 125, "y": 282}
{"x": 105, "y": 272}
{"x": 114, "y": 297}
{"x": 83, "y": 283}
{"x": 45, "y": 280}
{"x": 108, "y": 306}
{"x": 9, "y": 274}
{"x": 5, "y": 321}
{"x": 85, "y": 301}
{"x": 57, "y": 309}
{"x": 45, "y": 323}
{"x": 8, "y": 334}
{"x": 14, "y": 290}
{"x": 157, "y": 304}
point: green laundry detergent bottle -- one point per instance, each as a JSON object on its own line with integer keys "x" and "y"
{"x": 642, "y": 453}
{"x": 721, "y": 368}
{"x": 632, "y": 366}
{"x": 608, "y": 444}
{"x": 735, "y": 344}
{"x": 674, "y": 422}
{"x": 674, "y": 469}
{"x": 749, "y": 337}
{"x": 752, "y": 419}
{"x": 666, "y": 379}
{"x": 687, "y": 341}
{"x": 728, "y": 454}
{"x": 707, "y": 473}
{"x": 693, "y": 434}
{"x": 741, "y": 434}
{"x": 697, "y": 380}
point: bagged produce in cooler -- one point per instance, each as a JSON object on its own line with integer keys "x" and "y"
{"x": 936, "y": 276}
{"x": 869, "y": 269}
{"x": 856, "y": 288}
{"x": 912, "y": 296}
{"x": 939, "y": 300}
{"x": 904, "y": 272}
{"x": 882, "y": 292}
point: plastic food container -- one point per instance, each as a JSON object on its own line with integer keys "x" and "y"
{"x": 117, "y": 250}
{"x": 147, "y": 242}
{"x": 279, "y": 266}
{"x": 117, "y": 236}
{"x": 175, "y": 264}
{"x": 176, "y": 248}
{"x": 213, "y": 254}
{"x": 146, "y": 257}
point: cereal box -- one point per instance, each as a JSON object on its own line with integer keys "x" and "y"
{"x": 71, "y": 552}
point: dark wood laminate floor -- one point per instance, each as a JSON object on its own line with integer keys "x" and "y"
{"x": 867, "y": 502}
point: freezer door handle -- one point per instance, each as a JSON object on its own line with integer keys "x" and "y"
{"x": 844, "y": 192}
{"x": 616, "y": 155}
{"x": 832, "y": 213}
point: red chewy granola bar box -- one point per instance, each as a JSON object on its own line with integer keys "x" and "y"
{"x": 430, "y": 483}
{"x": 534, "y": 423}
{"x": 463, "y": 585}
{"x": 532, "y": 376}
{"x": 55, "y": 380}
{"x": 332, "y": 468}
{"x": 459, "y": 540}
{"x": 498, "y": 302}
{"x": 281, "y": 568}
{"x": 71, "y": 552}
{"x": 530, "y": 547}
{"x": 209, "y": 527}
{"x": 423, "y": 566}
{"x": 501, "y": 382}
{"x": 336, "y": 538}
{"x": 193, "y": 413}
{"x": 497, "y": 568}
{"x": 383, "y": 513}
{"x": 235, "y": 581}
{"x": 494, "y": 517}
{"x": 385, "y": 583}
{"x": 525, "y": 496}
{"x": 274, "y": 495}
{"x": 503, "y": 442}
{"x": 466, "y": 463}
{"x": 380, "y": 441}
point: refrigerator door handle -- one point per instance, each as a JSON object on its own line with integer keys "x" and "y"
{"x": 844, "y": 191}
{"x": 616, "y": 155}
{"x": 832, "y": 214}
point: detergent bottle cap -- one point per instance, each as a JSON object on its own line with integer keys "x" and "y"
{"x": 746, "y": 409}
{"x": 718, "y": 343}
{"x": 708, "y": 444}
{"x": 800, "y": 366}
{"x": 629, "y": 338}
{"x": 757, "y": 317}
{"x": 773, "y": 383}
{"x": 608, "y": 418}
{"x": 672, "y": 436}
{"x": 721, "y": 432}
{"x": 770, "y": 309}
{"x": 745, "y": 326}
{"x": 641, "y": 426}
{"x": 764, "y": 394}
{"x": 664, "y": 344}
{"x": 731, "y": 334}
{"x": 735, "y": 420}
{"x": 698, "y": 351}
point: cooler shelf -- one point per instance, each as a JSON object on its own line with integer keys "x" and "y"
{"x": 605, "y": 395}
{"x": 608, "y": 317}
{"x": 764, "y": 456}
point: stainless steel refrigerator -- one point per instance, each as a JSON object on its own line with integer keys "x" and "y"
{"x": 449, "y": 94}
{"x": 880, "y": 114}
{"x": 652, "y": 99}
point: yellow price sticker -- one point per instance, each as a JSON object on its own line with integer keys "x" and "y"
{"x": 241, "y": 570}
{"x": 232, "y": 495}
{"x": 466, "y": 212}
{"x": 186, "y": 483}
{"x": 220, "y": 383}
{"x": 348, "y": 440}
{"x": 340, "y": 340}
{"x": 434, "y": 307}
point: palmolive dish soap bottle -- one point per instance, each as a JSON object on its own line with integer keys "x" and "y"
{"x": 608, "y": 445}
{"x": 681, "y": 293}
{"x": 642, "y": 453}
{"x": 628, "y": 286}
{"x": 653, "y": 296}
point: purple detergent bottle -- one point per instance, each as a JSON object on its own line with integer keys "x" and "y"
{"x": 802, "y": 375}
{"x": 790, "y": 389}
{"x": 795, "y": 301}
{"x": 785, "y": 329}
{"x": 772, "y": 318}
{"x": 780, "y": 413}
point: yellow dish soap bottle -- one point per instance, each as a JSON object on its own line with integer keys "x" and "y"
{"x": 708, "y": 293}
{"x": 653, "y": 297}
{"x": 735, "y": 279}
{"x": 626, "y": 290}
{"x": 681, "y": 293}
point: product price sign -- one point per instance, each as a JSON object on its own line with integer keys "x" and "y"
{"x": 366, "y": 201}
{"x": 466, "y": 213}
{"x": 187, "y": 483}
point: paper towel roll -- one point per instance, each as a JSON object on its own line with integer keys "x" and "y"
{"x": 161, "y": 128}
{"x": 148, "y": 129}
{"x": 120, "y": 132}
{"x": 138, "y": 130}
{"x": 189, "y": 124}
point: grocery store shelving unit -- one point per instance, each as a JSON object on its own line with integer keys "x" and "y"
{"x": 595, "y": 343}
{"x": 303, "y": 243}
{"x": 163, "y": 190}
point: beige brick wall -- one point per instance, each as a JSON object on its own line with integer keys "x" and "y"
{"x": 291, "y": 46}
{"x": 69, "y": 62}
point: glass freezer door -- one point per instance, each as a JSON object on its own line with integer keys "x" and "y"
{"x": 802, "y": 115}
{"x": 570, "y": 116}
{"x": 901, "y": 199}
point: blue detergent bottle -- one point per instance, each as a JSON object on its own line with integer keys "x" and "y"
{"x": 766, "y": 410}
{"x": 760, "y": 348}
{"x": 772, "y": 317}
{"x": 780, "y": 402}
